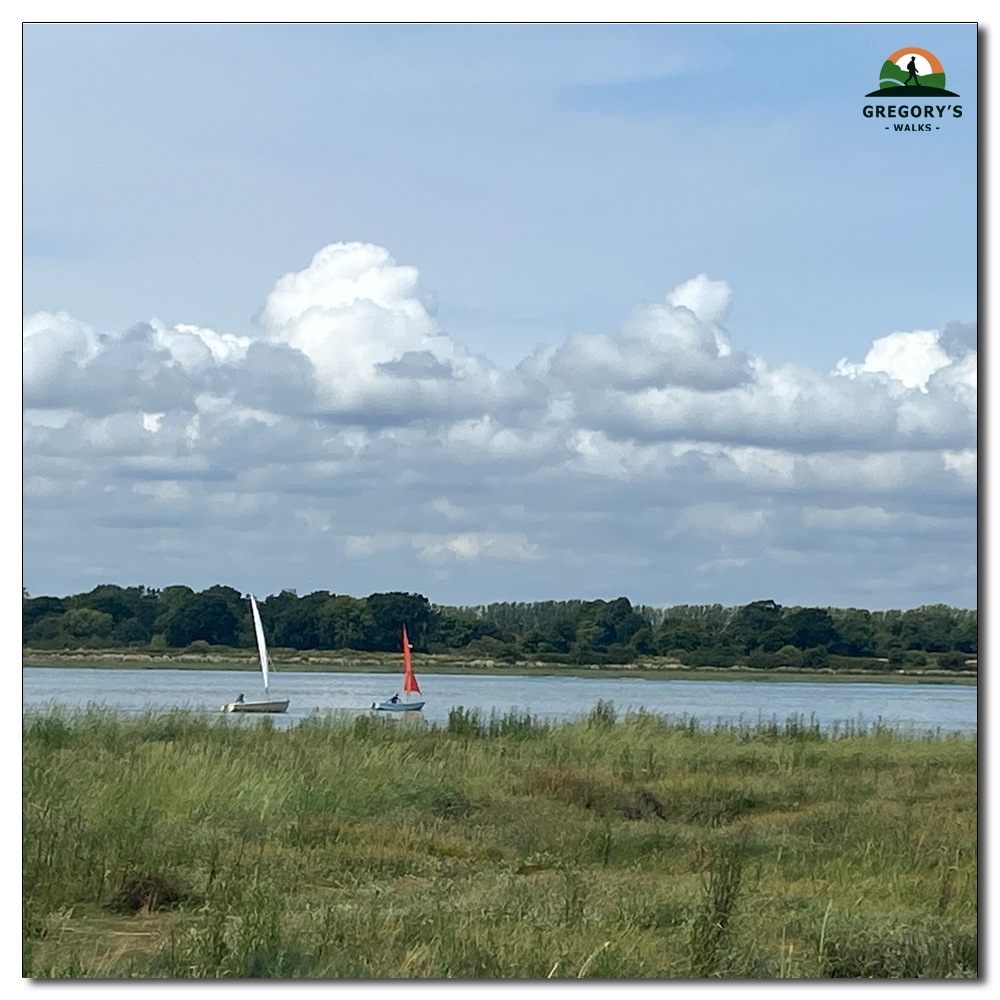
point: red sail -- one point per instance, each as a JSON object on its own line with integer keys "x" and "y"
{"x": 409, "y": 681}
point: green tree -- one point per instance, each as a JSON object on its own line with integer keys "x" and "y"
{"x": 965, "y": 634}
{"x": 46, "y": 629}
{"x": 589, "y": 635}
{"x": 620, "y": 618}
{"x": 391, "y": 611}
{"x": 293, "y": 621}
{"x": 928, "y": 627}
{"x": 808, "y": 627}
{"x": 276, "y": 605}
{"x": 750, "y": 624}
{"x": 951, "y": 661}
{"x": 788, "y": 656}
{"x": 682, "y": 631}
{"x": 130, "y": 631}
{"x": 208, "y": 616}
{"x": 531, "y": 640}
{"x": 855, "y": 629}
{"x": 135, "y": 605}
{"x": 559, "y": 635}
{"x": 118, "y": 602}
{"x": 34, "y": 608}
{"x": 816, "y": 658}
{"x": 345, "y": 622}
{"x": 455, "y": 628}
{"x": 642, "y": 641}
{"x": 168, "y": 603}
{"x": 86, "y": 623}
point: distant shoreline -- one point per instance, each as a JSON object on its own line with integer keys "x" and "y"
{"x": 432, "y": 664}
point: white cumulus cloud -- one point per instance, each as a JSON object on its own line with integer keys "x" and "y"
{"x": 51, "y": 341}
{"x": 648, "y": 461}
{"x": 674, "y": 343}
{"x": 377, "y": 353}
{"x": 909, "y": 358}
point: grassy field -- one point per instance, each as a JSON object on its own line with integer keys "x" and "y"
{"x": 651, "y": 668}
{"x": 180, "y": 845}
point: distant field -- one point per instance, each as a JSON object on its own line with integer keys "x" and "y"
{"x": 177, "y": 846}
{"x": 356, "y": 662}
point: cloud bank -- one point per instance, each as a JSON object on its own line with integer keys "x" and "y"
{"x": 350, "y": 444}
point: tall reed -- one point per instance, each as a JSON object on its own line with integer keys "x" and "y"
{"x": 183, "y": 845}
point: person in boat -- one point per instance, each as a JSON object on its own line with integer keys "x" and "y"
{"x": 394, "y": 699}
{"x": 239, "y": 699}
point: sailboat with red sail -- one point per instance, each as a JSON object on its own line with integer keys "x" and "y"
{"x": 410, "y": 686}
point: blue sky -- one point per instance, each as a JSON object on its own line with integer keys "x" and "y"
{"x": 549, "y": 185}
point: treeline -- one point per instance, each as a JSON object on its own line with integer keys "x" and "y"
{"x": 761, "y": 634}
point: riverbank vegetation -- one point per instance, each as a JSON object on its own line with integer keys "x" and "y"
{"x": 180, "y": 845}
{"x": 762, "y": 635}
{"x": 201, "y": 656}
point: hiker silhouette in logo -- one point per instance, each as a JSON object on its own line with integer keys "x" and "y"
{"x": 911, "y": 67}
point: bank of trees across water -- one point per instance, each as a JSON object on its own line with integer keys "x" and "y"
{"x": 761, "y": 633}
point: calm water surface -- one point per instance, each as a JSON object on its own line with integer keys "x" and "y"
{"x": 944, "y": 707}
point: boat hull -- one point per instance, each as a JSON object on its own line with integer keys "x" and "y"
{"x": 256, "y": 706}
{"x": 400, "y": 706}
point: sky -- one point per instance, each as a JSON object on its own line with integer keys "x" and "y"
{"x": 498, "y": 312}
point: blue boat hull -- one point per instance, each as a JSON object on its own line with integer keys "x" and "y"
{"x": 399, "y": 706}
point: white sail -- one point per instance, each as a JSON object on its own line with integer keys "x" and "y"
{"x": 261, "y": 644}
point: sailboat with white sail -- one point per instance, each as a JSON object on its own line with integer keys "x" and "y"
{"x": 257, "y": 706}
{"x": 410, "y": 686}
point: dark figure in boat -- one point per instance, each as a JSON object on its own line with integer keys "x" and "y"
{"x": 239, "y": 699}
{"x": 394, "y": 699}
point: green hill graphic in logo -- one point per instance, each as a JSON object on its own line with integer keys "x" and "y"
{"x": 911, "y": 73}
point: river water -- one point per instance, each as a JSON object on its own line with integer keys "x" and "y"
{"x": 915, "y": 708}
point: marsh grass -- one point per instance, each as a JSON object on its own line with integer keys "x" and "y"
{"x": 182, "y": 845}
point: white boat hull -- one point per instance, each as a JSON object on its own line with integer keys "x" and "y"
{"x": 255, "y": 706}
{"x": 399, "y": 706}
